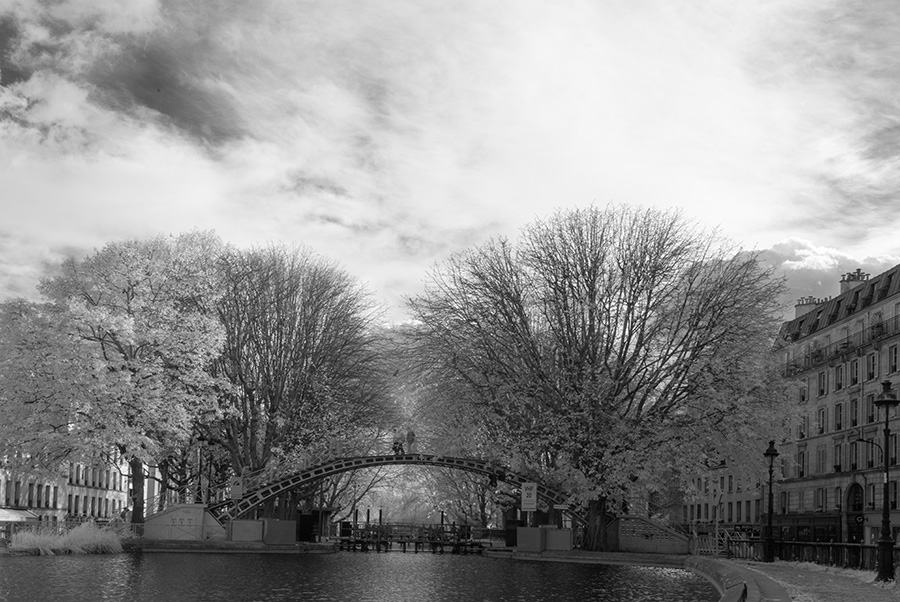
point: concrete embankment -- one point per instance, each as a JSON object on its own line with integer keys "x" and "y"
{"x": 224, "y": 547}
{"x": 735, "y": 583}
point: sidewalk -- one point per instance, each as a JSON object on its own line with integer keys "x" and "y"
{"x": 807, "y": 582}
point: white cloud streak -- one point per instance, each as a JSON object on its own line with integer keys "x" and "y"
{"x": 388, "y": 134}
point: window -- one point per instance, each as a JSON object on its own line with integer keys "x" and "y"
{"x": 803, "y": 428}
{"x": 821, "y": 459}
{"x": 871, "y": 366}
{"x": 822, "y": 383}
{"x": 730, "y": 512}
{"x": 854, "y": 412}
{"x": 893, "y": 490}
{"x": 821, "y": 421}
{"x": 838, "y": 416}
{"x": 803, "y": 391}
{"x": 801, "y": 464}
{"x": 820, "y": 499}
{"x": 854, "y": 372}
{"x": 870, "y": 455}
{"x": 870, "y": 408}
{"x": 892, "y": 450}
{"x": 854, "y": 455}
{"x": 801, "y": 501}
{"x": 839, "y": 377}
{"x": 892, "y": 358}
{"x": 730, "y": 483}
{"x": 870, "y": 495}
{"x": 838, "y": 451}
{"x": 837, "y": 498}
{"x": 784, "y": 502}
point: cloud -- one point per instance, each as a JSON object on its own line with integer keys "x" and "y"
{"x": 815, "y": 271}
{"x": 388, "y": 135}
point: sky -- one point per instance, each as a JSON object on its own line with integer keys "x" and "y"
{"x": 388, "y": 134}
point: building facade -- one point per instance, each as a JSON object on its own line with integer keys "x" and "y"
{"x": 724, "y": 502}
{"x": 85, "y": 492}
{"x": 837, "y": 353}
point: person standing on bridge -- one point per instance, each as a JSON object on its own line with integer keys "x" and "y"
{"x": 410, "y": 440}
{"x": 398, "y": 442}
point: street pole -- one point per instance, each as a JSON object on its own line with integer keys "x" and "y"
{"x": 887, "y": 399}
{"x": 769, "y": 543}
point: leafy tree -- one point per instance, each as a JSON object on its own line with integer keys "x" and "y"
{"x": 42, "y": 389}
{"x": 607, "y": 345}
{"x": 142, "y": 315}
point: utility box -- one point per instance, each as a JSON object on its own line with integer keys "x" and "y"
{"x": 558, "y": 539}
{"x": 246, "y": 530}
{"x": 531, "y": 539}
{"x": 279, "y": 531}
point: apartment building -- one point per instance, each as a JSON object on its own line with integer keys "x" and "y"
{"x": 85, "y": 491}
{"x": 837, "y": 353}
{"x": 725, "y": 502}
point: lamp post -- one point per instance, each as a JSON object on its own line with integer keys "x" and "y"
{"x": 769, "y": 543}
{"x": 887, "y": 400}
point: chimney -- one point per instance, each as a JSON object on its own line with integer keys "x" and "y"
{"x": 851, "y": 280}
{"x": 805, "y": 305}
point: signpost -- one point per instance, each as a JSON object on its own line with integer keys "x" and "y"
{"x": 529, "y": 497}
{"x": 237, "y": 487}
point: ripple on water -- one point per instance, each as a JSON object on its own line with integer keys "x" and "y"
{"x": 343, "y": 577}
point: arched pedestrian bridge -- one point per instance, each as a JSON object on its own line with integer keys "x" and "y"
{"x": 230, "y": 509}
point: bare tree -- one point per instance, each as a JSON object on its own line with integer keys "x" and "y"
{"x": 608, "y": 344}
{"x": 301, "y": 355}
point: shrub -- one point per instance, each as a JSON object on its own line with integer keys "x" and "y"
{"x": 86, "y": 538}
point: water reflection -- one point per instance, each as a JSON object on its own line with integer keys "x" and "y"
{"x": 343, "y": 577}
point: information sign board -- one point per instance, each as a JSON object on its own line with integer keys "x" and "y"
{"x": 529, "y": 497}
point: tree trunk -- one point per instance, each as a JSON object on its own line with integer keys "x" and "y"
{"x": 596, "y": 537}
{"x": 137, "y": 490}
{"x": 163, "y": 485}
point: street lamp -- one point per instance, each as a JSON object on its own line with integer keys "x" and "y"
{"x": 769, "y": 551}
{"x": 887, "y": 399}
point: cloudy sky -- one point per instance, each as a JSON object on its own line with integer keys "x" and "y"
{"x": 386, "y": 134}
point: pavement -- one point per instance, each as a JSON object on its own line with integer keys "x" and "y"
{"x": 807, "y": 582}
{"x": 765, "y": 582}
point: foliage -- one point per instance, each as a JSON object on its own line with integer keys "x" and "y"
{"x": 86, "y": 538}
{"x": 142, "y": 315}
{"x": 43, "y": 382}
{"x": 606, "y": 345}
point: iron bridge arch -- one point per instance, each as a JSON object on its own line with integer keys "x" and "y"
{"x": 229, "y": 510}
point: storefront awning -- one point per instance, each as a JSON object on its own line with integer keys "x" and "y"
{"x": 10, "y": 515}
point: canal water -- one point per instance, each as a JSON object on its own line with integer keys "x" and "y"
{"x": 341, "y": 577}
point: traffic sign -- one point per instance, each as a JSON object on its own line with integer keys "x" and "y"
{"x": 529, "y": 497}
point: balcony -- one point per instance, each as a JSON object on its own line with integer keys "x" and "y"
{"x": 823, "y": 355}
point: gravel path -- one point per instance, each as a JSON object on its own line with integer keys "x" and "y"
{"x": 807, "y": 582}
